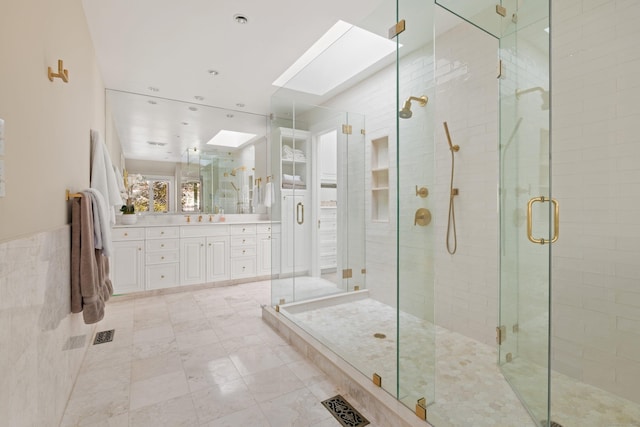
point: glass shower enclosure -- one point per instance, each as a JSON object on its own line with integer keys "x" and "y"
{"x": 363, "y": 178}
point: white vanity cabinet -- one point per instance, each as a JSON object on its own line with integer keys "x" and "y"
{"x": 127, "y": 260}
{"x": 156, "y": 257}
{"x": 162, "y": 257}
{"x": 243, "y": 251}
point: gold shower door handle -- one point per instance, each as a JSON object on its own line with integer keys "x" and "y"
{"x": 556, "y": 220}
{"x": 299, "y": 216}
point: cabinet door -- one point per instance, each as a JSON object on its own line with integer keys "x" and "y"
{"x": 264, "y": 255}
{"x": 218, "y": 258}
{"x": 192, "y": 260}
{"x": 127, "y": 266}
{"x": 295, "y": 234}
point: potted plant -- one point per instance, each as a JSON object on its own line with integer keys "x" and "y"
{"x": 128, "y": 209}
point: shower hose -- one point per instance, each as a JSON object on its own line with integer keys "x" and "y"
{"x": 451, "y": 220}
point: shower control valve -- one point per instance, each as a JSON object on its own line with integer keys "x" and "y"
{"x": 422, "y": 192}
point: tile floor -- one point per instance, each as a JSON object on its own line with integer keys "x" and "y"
{"x": 198, "y": 358}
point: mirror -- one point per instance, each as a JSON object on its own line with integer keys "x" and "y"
{"x": 173, "y": 141}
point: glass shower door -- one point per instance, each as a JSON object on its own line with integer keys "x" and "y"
{"x": 528, "y": 212}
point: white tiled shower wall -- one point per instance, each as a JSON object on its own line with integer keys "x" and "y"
{"x": 43, "y": 345}
{"x": 596, "y": 176}
{"x": 466, "y": 97}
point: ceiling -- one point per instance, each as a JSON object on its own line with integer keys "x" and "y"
{"x": 170, "y": 46}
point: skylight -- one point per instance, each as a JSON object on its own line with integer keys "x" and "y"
{"x": 232, "y": 139}
{"x": 340, "y": 54}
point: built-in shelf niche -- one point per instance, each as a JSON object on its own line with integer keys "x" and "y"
{"x": 380, "y": 179}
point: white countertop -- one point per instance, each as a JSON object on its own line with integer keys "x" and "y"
{"x": 174, "y": 220}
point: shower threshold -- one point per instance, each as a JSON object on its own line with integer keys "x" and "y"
{"x": 373, "y": 400}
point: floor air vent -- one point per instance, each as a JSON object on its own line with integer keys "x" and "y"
{"x": 543, "y": 423}
{"x": 342, "y": 411}
{"x": 104, "y": 336}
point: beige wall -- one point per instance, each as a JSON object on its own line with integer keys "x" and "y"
{"x": 46, "y": 123}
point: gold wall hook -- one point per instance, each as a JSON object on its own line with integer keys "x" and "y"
{"x": 422, "y": 192}
{"x": 62, "y": 73}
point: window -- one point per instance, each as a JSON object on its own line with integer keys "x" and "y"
{"x": 191, "y": 196}
{"x": 153, "y": 194}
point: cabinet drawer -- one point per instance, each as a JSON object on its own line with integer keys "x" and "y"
{"x": 243, "y": 267}
{"x": 243, "y": 241}
{"x": 162, "y": 245}
{"x": 263, "y": 228}
{"x": 204, "y": 230}
{"x": 163, "y": 257}
{"x": 243, "y": 251}
{"x": 133, "y": 233}
{"x": 242, "y": 229}
{"x": 162, "y": 232}
{"x": 162, "y": 275}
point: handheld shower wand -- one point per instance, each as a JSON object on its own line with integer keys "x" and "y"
{"x": 451, "y": 220}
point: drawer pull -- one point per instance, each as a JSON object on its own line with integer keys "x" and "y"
{"x": 161, "y": 257}
{"x": 126, "y": 234}
{"x": 243, "y": 268}
{"x": 243, "y": 230}
{"x": 201, "y": 244}
{"x": 162, "y": 232}
{"x": 243, "y": 240}
{"x": 162, "y": 245}
{"x": 162, "y": 277}
{"x": 139, "y": 248}
{"x": 243, "y": 251}
{"x": 209, "y": 244}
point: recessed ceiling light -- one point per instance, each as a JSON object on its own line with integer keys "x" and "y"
{"x": 240, "y": 104}
{"x": 153, "y": 89}
{"x": 193, "y": 108}
{"x": 230, "y": 116}
{"x": 199, "y": 98}
{"x": 152, "y": 102}
{"x": 213, "y": 72}
{"x": 240, "y": 19}
{"x": 354, "y": 48}
{"x": 229, "y": 138}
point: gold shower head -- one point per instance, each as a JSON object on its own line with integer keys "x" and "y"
{"x": 405, "y": 112}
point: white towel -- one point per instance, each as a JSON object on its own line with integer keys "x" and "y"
{"x": 120, "y": 179}
{"x": 104, "y": 217}
{"x": 255, "y": 200}
{"x": 268, "y": 194}
{"x": 103, "y": 178}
